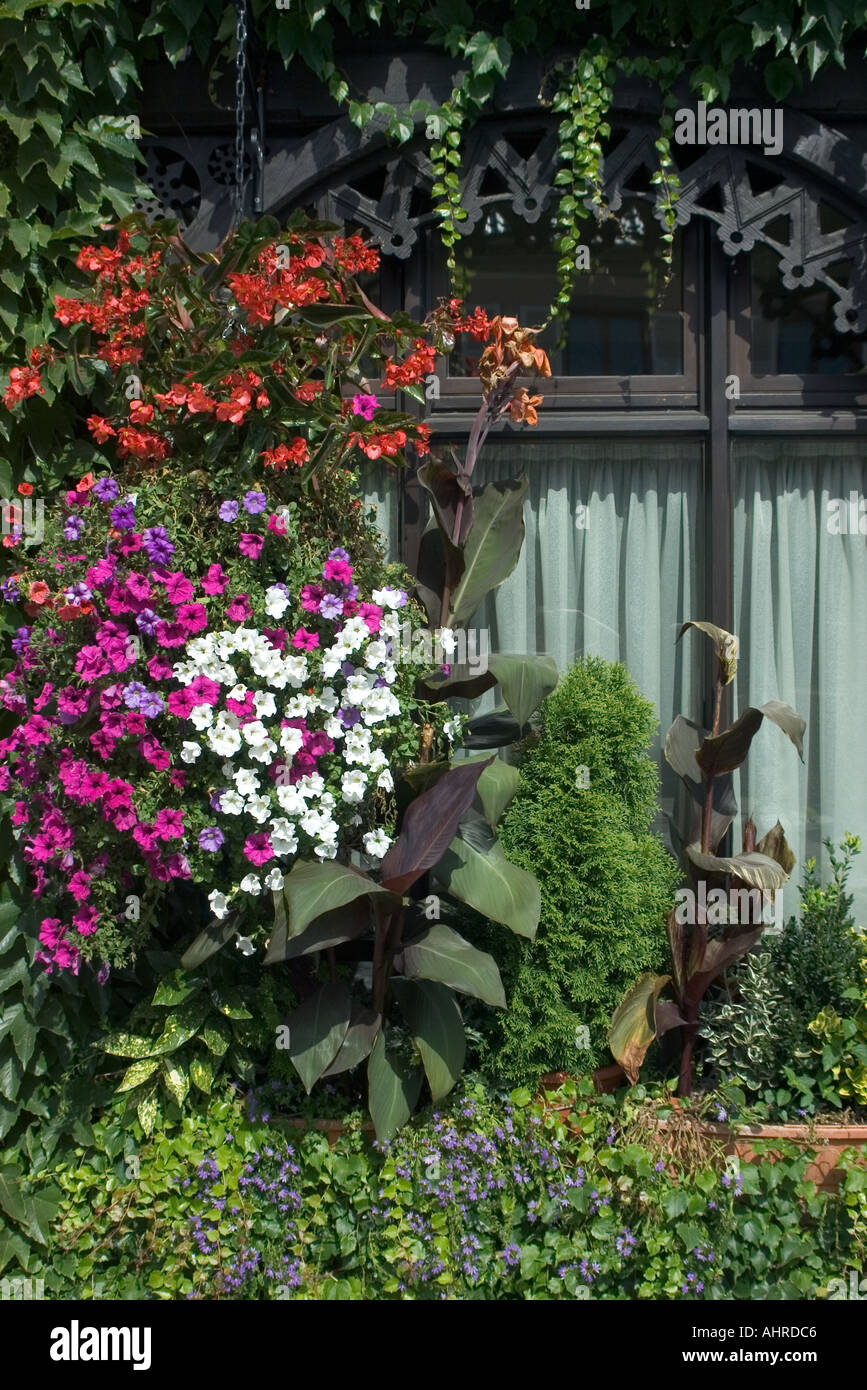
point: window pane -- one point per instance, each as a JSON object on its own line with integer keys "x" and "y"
{"x": 623, "y": 321}
{"x": 793, "y": 330}
{"x": 800, "y": 612}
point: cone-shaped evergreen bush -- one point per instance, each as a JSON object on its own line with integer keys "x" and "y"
{"x": 606, "y": 881}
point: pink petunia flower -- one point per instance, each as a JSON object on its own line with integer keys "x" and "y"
{"x": 371, "y": 613}
{"x": 171, "y": 634}
{"x": 86, "y": 920}
{"x": 193, "y": 617}
{"x": 257, "y": 848}
{"x": 311, "y": 597}
{"x": 250, "y": 545}
{"x": 169, "y": 825}
{"x": 159, "y": 669}
{"x": 153, "y": 752}
{"x": 204, "y": 691}
{"x": 239, "y": 609}
{"x": 138, "y": 584}
{"x": 51, "y": 931}
{"x": 215, "y": 581}
{"x": 305, "y": 641}
{"x": 181, "y": 702}
{"x": 79, "y": 886}
{"x": 178, "y": 588}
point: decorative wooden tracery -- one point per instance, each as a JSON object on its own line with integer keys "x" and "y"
{"x": 809, "y": 204}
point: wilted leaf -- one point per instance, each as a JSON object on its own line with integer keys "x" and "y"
{"x": 633, "y": 1024}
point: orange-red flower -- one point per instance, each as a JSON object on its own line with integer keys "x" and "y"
{"x": 100, "y": 428}
{"x": 38, "y": 592}
{"x": 26, "y": 489}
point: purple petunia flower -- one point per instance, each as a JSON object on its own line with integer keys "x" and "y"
{"x": 103, "y": 973}
{"x": 123, "y": 516}
{"x": 214, "y": 802}
{"x": 338, "y": 553}
{"x": 146, "y": 622}
{"x": 255, "y": 502}
{"x": 105, "y": 490}
{"x": 10, "y": 590}
{"x": 157, "y": 544}
{"x": 132, "y": 694}
{"x": 151, "y": 704}
{"x": 228, "y": 511}
{"x": 77, "y": 594}
{"x": 349, "y": 717}
{"x": 211, "y": 838}
{"x": 21, "y": 640}
{"x": 73, "y": 528}
{"x": 331, "y": 606}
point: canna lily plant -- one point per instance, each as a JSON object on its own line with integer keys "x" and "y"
{"x": 704, "y": 940}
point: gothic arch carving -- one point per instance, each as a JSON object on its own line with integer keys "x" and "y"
{"x": 809, "y": 204}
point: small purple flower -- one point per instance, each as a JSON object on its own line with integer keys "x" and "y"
{"x": 21, "y": 640}
{"x": 331, "y": 606}
{"x": 151, "y": 704}
{"x": 338, "y": 553}
{"x": 10, "y": 590}
{"x": 105, "y": 490}
{"x": 214, "y": 802}
{"x": 721, "y": 1115}
{"x": 349, "y": 717}
{"x": 211, "y": 838}
{"x": 228, "y": 511}
{"x": 122, "y": 516}
{"x": 132, "y": 694}
{"x": 77, "y": 594}
{"x": 511, "y": 1256}
{"x": 157, "y": 544}
{"x": 365, "y": 406}
{"x": 103, "y": 973}
{"x": 146, "y": 622}
{"x": 73, "y": 528}
{"x": 255, "y": 502}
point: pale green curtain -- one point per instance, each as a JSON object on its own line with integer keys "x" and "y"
{"x": 615, "y": 580}
{"x": 801, "y": 615}
{"x": 380, "y": 489}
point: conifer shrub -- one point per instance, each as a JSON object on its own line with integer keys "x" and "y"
{"x": 606, "y": 880}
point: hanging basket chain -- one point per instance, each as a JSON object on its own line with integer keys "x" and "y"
{"x": 240, "y": 109}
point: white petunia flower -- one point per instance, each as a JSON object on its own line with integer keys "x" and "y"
{"x": 389, "y": 597}
{"x": 375, "y": 655}
{"x": 246, "y": 781}
{"x": 231, "y": 804}
{"x": 190, "y": 751}
{"x": 385, "y": 781}
{"x": 276, "y": 601}
{"x": 258, "y": 807}
{"x": 353, "y": 786}
{"x": 291, "y": 800}
{"x": 376, "y": 843}
{"x": 219, "y": 904}
{"x": 250, "y": 884}
{"x": 201, "y": 716}
{"x": 224, "y": 741}
{"x": 451, "y": 729}
{"x": 274, "y": 880}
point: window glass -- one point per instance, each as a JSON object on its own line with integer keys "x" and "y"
{"x": 793, "y": 330}
{"x": 624, "y": 320}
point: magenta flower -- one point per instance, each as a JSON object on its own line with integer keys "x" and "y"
{"x": 371, "y": 614}
{"x": 171, "y": 634}
{"x": 339, "y": 570}
{"x": 86, "y": 920}
{"x": 178, "y": 588}
{"x": 204, "y": 691}
{"x": 239, "y": 609}
{"x": 192, "y": 616}
{"x": 153, "y": 752}
{"x": 215, "y": 581}
{"x": 51, "y": 931}
{"x": 250, "y": 545}
{"x": 181, "y": 702}
{"x": 305, "y": 641}
{"x": 311, "y": 597}
{"x": 257, "y": 848}
{"x": 138, "y": 584}
{"x": 169, "y": 825}
{"x": 365, "y": 406}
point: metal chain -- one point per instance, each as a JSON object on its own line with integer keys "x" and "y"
{"x": 240, "y": 109}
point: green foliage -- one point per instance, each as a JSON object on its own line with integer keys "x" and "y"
{"x": 606, "y": 882}
{"x": 758, "y": 1026}
{"x": 494, "y": 1198}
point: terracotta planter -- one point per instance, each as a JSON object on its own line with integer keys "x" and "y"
{"x": 332, "y": 1129}
{"x": 606, "y": 1080}
{"x": 828, "y": 1141}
